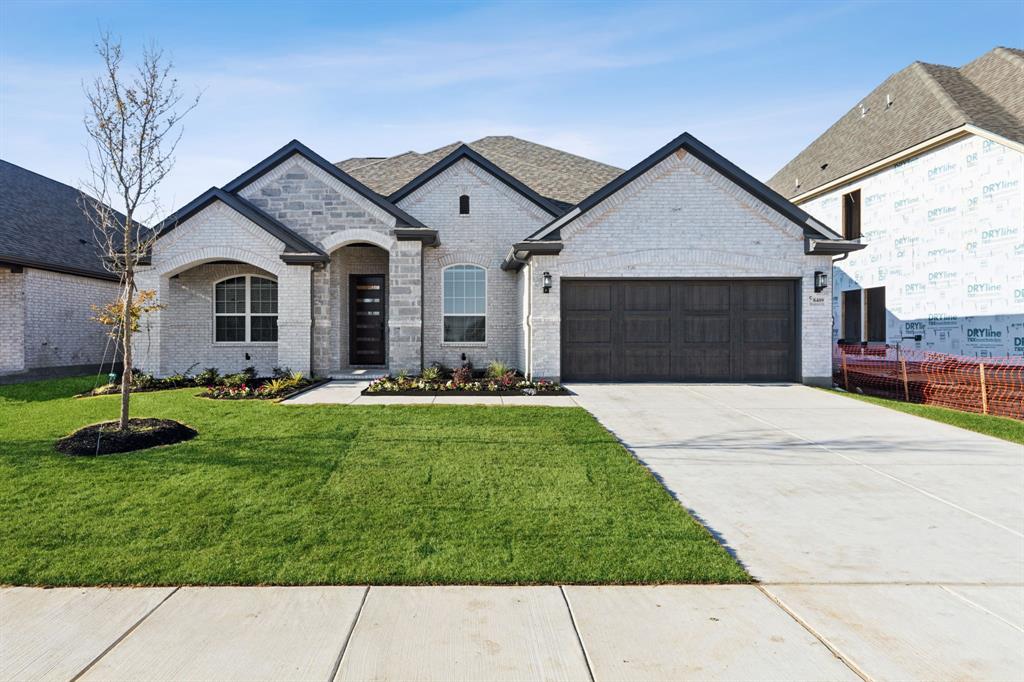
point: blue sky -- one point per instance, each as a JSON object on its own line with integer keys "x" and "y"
{"x": 612, "y": 81}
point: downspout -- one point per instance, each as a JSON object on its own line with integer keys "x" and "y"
{"x": 422, "y": 330}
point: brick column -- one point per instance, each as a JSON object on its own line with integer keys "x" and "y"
{"x": 295, "y": 318}
{"x": 146, "y": 342}
{"x": 546, "y": 319}
{"x": 405, "y": 306}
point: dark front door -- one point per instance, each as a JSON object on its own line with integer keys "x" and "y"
{"x": 366, "y": 319}
{"x": 678, "y": 330}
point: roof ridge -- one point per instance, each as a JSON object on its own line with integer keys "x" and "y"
{"x": 1010, "y": 54}
{"x": 938, "y": 91}
{"x": 538, "y": 144}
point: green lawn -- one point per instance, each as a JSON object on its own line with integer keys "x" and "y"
{"x": 1000, "y": 427}
{"x": 275, "y": 494}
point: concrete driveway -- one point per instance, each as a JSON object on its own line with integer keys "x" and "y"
{"x": 899, "y": 541}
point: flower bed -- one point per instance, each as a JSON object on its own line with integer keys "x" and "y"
{"x": 240, "y": 386}
{"x": 497, "y": 380}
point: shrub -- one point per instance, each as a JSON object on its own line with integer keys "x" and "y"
{"x": 462, "y": 376}
{"x": 497, "y": 369}
{"x": 208, "y": 377}
{"x": 431, "y": 374}
{"x": 281, "y": 372}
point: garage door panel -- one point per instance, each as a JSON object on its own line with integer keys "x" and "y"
{"x": 766, "y": 364}
{"x": 589, "y": 329}
{"x": 701, "y": 364}
{"x": 647, "y": 329}
{"x": 693, "y": 329}
{"x": 702, "y": 296}
{"x": 648, "y": 364}
{"x": 647, "y": 296}
{"x": 684, "y": 330}
{"x": 766, "y": 296}
{"x": 587, "y": 363}
{"x": 763, "y": 330}
{"x": 587, "y": 296}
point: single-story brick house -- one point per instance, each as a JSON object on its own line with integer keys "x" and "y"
{"x": 51, "y": 273}
{"x": 683, "y": 267}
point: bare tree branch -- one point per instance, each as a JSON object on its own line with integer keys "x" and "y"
{"x": 134, "y": 125}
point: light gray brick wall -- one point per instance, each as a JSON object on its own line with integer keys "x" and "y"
{"x": 682, "y": 219}
{"x": 12, "y": 321}
{"x": 498, "y": 217}
{"x": 188, "y": 342}
{"x": 59, "y": 329}
{"x": 181, "y": 334}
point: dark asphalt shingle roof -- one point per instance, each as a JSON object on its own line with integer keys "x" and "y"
{"x": 42, "y": 224}
{"x": 560, "y": 176}
{"x": 927, "y": 100}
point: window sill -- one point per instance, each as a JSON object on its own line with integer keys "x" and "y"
{"x": 466, "y": 344}
{"x": 243, "y": 344}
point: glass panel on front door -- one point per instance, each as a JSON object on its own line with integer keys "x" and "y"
{"x": 366, "y": 320}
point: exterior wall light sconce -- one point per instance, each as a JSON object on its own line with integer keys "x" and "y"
{"x": 820, "y": 281}
{"x": 546, "y": 282}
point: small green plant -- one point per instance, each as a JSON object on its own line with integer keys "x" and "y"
{"x": 281, "y": 372}
{"x": 431, "y": 374}
{"x": 403, "y": 374}
{"x": 276, "y": 386}
{"x": 497, "y": 369}
{"x": 208, "y": 377}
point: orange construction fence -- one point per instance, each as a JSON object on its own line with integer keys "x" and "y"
{"x": 985, "y": 385}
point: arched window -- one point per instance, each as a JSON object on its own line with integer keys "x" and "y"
{"x": 245, "y": 310}
{"x": 464, "y": 204}
{"x": 465, "y": 304}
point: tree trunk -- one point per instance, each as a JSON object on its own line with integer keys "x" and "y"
{"x": 126, "y": 343}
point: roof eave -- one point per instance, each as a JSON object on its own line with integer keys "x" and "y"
{"x": 423, "y": 235}
{"x": 831, "y": 247}
{"x": 521, "y": 252}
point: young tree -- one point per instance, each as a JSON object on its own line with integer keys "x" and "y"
{"x": 134, "y": 123}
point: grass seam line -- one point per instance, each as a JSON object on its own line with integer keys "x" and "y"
{"x": 124, "y": 635}
{"x": 854, "y": 668}
{"x": 576, "y": 630}
{"x": 348, "y": 637}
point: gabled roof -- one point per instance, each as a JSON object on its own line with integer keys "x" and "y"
{"x": 295, "y": 147}
{"x": 560, "y": 177}
{"x": 812, "y": 228}
{"x": 294, "y": 242}
{"x": 465, "y": 152}
{"x": 42, "y": 225}
{"x": 911, "y": 107}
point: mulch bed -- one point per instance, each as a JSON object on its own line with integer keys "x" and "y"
{"x": 140, "y": 434}
{"x": 560, "y": 391}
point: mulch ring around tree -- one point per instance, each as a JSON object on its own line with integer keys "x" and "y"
{"x": 106, "y": 439}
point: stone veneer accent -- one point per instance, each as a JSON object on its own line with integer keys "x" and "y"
{"x": 682, "y": 219}
{"x": 498, "y": 217}
{"x": 47, "y": 320}
{"x": 325, "y": 211}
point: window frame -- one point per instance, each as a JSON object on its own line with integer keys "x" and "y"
{"x": 851, "y": 217}
{"x": 247, "y": 315}
{"x": 485, "y": 314}
{"x": 464, "y": 202}
{"x": 876, "y": 315}
{"x": 852, "y": 312}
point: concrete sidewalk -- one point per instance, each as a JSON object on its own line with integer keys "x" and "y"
{"x": 403, "y": 633}
{"x": 664, "y": 633}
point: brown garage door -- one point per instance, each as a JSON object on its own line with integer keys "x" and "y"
{"x": 679, "y": 330}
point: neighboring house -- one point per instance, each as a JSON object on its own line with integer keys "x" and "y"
{"x": 51, "y": 272}
{"x": 683, "y": 267}
{"x": 929, "y": 170}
